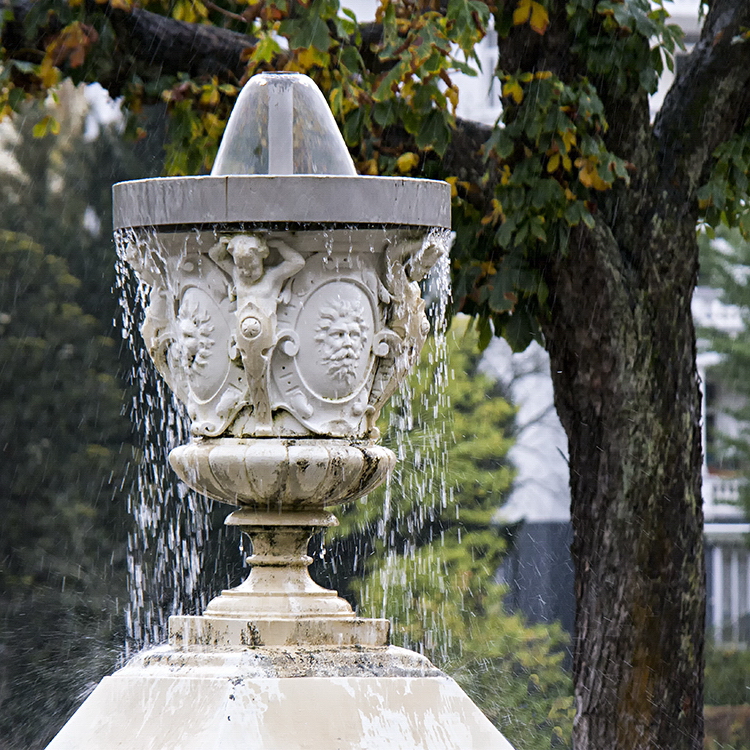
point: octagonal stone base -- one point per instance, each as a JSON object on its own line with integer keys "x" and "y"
{"x": 279, "y": 699}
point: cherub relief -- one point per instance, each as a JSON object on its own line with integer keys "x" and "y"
{"x": 257, "y": 290}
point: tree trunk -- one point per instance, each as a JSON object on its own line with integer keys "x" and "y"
{"x": 622, "y": 349}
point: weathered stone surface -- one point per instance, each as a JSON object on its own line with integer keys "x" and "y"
{"x": 264, "y": 700}
{"x": 271, "y": 474}
{"x": 304, "y": 199}
{"x": 191, "y": 633}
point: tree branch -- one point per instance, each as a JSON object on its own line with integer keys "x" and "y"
{"x": 146, "y": 39}
{"x": 708, "y": 101}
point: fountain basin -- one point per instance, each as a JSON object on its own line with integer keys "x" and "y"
{"x": 280, "y": 699}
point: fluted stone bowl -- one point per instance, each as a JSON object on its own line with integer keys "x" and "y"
{"x": 282, "y": 475}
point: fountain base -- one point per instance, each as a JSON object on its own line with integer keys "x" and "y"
{"x": 189, "y": 633}
{"x": 279, "y": 699}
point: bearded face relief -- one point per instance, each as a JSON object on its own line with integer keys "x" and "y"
{"x": 195, "y": 329}
{"x": 335, "y": 331}
{"x": 341, "y": 338}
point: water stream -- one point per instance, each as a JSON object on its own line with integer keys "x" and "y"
{"x": 167, "y": 561}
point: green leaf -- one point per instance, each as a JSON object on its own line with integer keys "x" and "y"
{"x": 434, "y": 133}
{"x": 351, "y": 59}
{"x": 307, "y": 32}
{"x": 520, "y": 330}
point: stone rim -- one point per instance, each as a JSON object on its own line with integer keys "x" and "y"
{"x": 325, "y": 200}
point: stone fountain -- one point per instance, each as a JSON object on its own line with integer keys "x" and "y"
{"x": 284, "y": 310}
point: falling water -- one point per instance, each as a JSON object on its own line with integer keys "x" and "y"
{"x": 418, "y": 492}
{"x": 171, "y": 523}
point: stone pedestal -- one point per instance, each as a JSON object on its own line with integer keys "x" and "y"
{"x": 283, "y": 311}
{"x": 302, "y": 698}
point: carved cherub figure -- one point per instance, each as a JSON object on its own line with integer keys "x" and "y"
{"x": 407, "y": 264}
{"x": 257, "y": 290}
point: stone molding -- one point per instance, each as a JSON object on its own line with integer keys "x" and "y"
{"x": 291, "y": 199}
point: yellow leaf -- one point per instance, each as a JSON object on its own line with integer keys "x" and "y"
{"x": 569, "y": 140}
{"x": 47, "y": 124}
{"x": 369, "y": 167}
{"x": 589, "y": 175}
{"x": 210, "y": 96}
{"x": 183, "y": 12}
{"x": 567, "y": 165}
{"x": 308, "y": 58}
{"x": 522, "y": 12}
{"x": 569, "y": 194}
{"x": 119, "y": 4}
{"x": 189, "y": 11}
{"x": 488, "y": 267}
{"x": 533, "y": 12}
{"x": 506, "y": 175}
{"x": 406, "y": 162}
{"x": 539, "y": 17}
{"x": 49, "y": 75}
{"x": 214, "y": 125}
{"x": 513, "y": 89}
{"x": 494, "y": 216}
{"x": 40, "y": 129}
{"x": 452, "y": 96}
{"x": 452, "y": 182}
{"x": 336, "y": 99}
{"x": 553, "y": 163}
{"x": 543, "y": 75}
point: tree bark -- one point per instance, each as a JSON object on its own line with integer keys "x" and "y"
{"x": 622, "y": 352}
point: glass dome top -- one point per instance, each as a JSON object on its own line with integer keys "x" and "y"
{"x": 282, "y": 125}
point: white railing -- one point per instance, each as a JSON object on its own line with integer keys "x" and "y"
{"x": 729, "y": 600}
{"x": 721, "y": 499}
{"x": 725, "y": 491}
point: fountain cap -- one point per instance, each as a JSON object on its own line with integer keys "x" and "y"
{"x": 282, "y": 125}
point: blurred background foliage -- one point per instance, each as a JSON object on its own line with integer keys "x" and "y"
{"x": 65, "y": 439}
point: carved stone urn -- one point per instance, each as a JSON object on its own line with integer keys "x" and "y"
{"x": 284, "y": 310}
